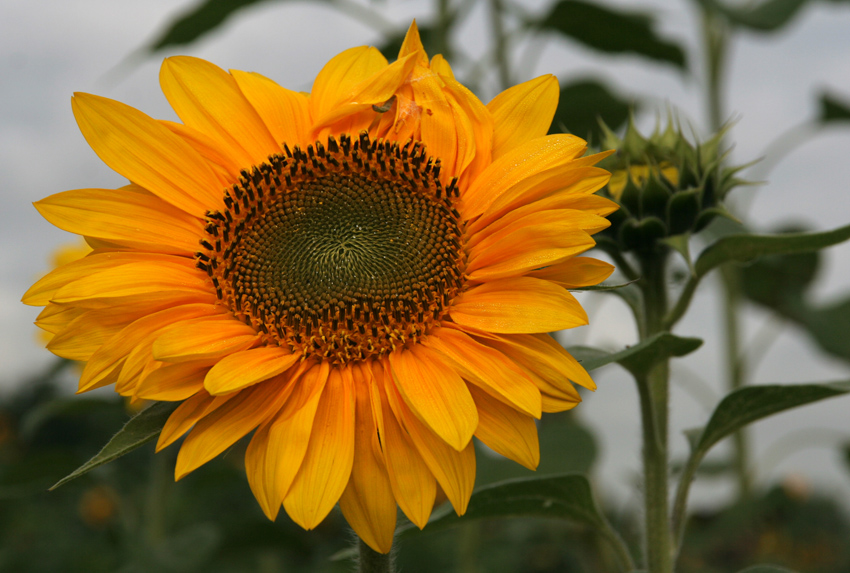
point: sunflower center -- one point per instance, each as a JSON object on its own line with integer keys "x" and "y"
{"x": 342, "y": 253}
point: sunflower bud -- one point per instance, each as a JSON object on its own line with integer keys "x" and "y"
{"x": 666, "y": 185}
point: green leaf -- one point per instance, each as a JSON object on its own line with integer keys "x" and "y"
{"x": 752, "y": 403}
{"x": 768, "y": 16}
{"x": 747, "y": 247}
{"x": 640, "y": 358}
{"x": 139, "y": 430}
{"x": 561, "y": 497}
{"x": 204, "y": 18}
{"x": 583, "y": 103}
{"x": 766, "y": 569}
{"x": 833, "y": 109}
{"x": 612, "y": 31}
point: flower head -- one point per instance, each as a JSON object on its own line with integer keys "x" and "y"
{"x": 666, "y": 185}
{"x": 362, "y": 276}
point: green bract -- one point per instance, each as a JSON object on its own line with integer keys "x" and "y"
{"x": 666, "y": 185}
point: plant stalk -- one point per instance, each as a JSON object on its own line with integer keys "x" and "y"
{"x": 371, "y": 561}
{"x": 654, "y": 404}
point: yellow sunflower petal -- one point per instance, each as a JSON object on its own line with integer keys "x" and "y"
{"x": 173, "y": 382}
{"x": 374, "y": 90}
{"x": 506, "y": 431}
{"x": 412, "y": 44}
{"x": 472, "y": 159}
{"x": 327, "y": 465}
{"x": 541, "y": 354}
{"x": 286, "y": 113}
{"x": 561, "y": 187}
{"x": 413, "y": 484}
{"x": 248, "y": 367}
{"x": 553, "y": 403}
{"x": 201, "y": 338}
{"x": 276, "y": 452}
{"x": 207, "y": 98}
{"x": 518, "y": 305}
{"x": 141, "y": 221}
{"x": 576, "y": 272}
{"x": 436, "y": 394}
{"x": 488, "y": 368}
{"x": 185, "y": 416}
{"x": 147, "y": 153}
{"x": 523, "y": 112}
{"x": 220, "y": 429}
{"x": 339, "y": 75}
{"x": 522, "y": 162}
{"x": 111, "y": 355}
{"x": 81, "y": 338}
{"x": 367, "y": 502}
{"x": 454, "y": 470}
{"x": 527, "y": 245}
{"x": 137, "y": 282}
{"x": 225, "y": 166}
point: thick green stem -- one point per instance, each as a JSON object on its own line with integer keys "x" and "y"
{"x": 654, "y": 398}
{"x": 373, "y": 562}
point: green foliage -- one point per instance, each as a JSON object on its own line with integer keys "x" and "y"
{"x": 640, "y": 358}
{"x": 782, "y": 282}
{"x": 833, "y": 109}
{"x": 747, "y": 405}
{"x": 746, "y": 247}
{"x": 612, "y": 31}
{"x": 584, "y": 103}
{"x": 562, "y": 497}
{"x": 196, "y": 23}
{"x": 767, "y": 16}
{"x": 139, "y": 430}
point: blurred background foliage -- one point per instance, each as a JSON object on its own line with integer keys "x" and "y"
{"x": 131, "y": 517}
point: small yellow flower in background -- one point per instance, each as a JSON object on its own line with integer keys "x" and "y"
{"x": 363, "y": 276}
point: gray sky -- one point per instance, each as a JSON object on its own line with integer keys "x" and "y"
{"x": 52, "y": 48}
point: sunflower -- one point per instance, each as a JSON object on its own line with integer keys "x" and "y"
{"x": 362, "y": 276}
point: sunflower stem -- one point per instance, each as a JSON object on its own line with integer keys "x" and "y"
{"x": 654, "y": 396}
{"x": 373, "y": 562}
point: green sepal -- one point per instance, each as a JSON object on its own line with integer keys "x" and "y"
{"x": 709, "y": 215}
{"x": 644, "y": 234}
{"x": 683, "y": 209}
{"x": 681, "y": 244}
{"x": 630, "y": 197}
{"x": 655, "y": 197}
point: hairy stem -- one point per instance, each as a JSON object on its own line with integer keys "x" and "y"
{"x": 373, "y": 562}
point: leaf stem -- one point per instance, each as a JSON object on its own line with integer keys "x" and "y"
{"x": 682, "y": 303}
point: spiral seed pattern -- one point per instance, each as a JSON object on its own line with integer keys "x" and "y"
{"x": 342, "y": 252}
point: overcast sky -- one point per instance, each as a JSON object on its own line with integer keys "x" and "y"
{"x": 52, "y": 48}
